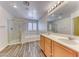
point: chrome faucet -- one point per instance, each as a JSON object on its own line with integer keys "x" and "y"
{"x": 70, "y": 38}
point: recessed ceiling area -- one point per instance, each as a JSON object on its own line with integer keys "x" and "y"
{"x": 28, "y": 10}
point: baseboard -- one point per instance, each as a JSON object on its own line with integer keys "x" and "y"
{"x": 14, "y": 43}
{"x": 3, "y": 47}
{"x": 25, "y": 41}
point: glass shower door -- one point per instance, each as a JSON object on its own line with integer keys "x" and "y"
{"x": 14, "y": 34}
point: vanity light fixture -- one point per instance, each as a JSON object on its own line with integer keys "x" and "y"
{"x": 49, "y": 10}
{"x": 55, "y": 6}
{"x": 52, "y": 7}
{"x": 58, "y": 2}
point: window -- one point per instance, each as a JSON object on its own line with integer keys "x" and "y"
{"x": 29, "y": 26}
{"x": 32, "y": 26}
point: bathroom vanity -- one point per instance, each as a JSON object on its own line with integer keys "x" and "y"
{"x": 57, "y": 45}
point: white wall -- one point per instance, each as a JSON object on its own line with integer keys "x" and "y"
{"x": 4, "y": 16}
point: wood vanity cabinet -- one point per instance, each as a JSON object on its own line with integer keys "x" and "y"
{"x": 42, "y": 42}
{"x": 48, "y": 47}
{"x": 55, "y": 49}
{"x": 62, "y": 51}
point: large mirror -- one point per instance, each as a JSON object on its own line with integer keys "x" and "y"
{"x": 65, "y": 19}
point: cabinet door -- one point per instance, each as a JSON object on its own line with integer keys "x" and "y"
{"x": 48, "y": 47}
{"x": 61, "y": 51}
{"x": 42, "y": 42}
{"x": 52, "y": 48}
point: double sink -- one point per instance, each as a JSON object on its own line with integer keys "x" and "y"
{"x": 68, "y": 40}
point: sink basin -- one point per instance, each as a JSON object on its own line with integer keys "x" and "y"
{"x": 71, "y": 42}
{"x": 65, "y": 39}
{"x": 58, "y": 37}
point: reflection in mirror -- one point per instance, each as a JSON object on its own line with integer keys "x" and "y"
{"x": 65, "y": 20}
{"x": 76, "y": 26}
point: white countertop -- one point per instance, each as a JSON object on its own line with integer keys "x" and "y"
{"x": 62, "y": 39}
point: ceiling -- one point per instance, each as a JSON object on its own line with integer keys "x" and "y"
{"x": 64, "y": 11}
{"x": 34, "y": 11}
{"x": 37, "y": 9}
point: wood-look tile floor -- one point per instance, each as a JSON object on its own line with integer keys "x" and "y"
{"x": 30, "y": 49}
